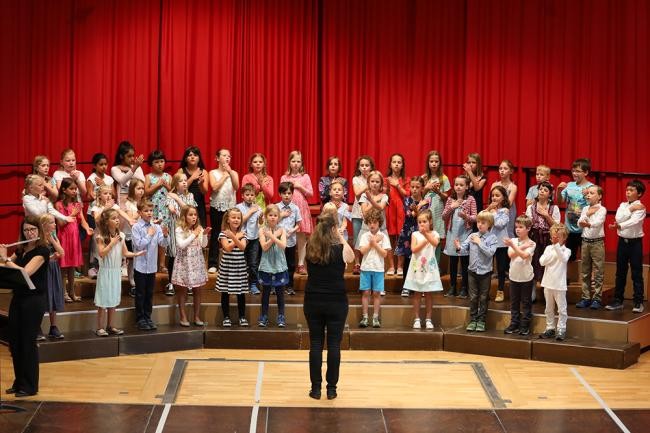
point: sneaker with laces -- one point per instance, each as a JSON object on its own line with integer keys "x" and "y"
{"x": 382, "y": 293}
{"x": 101, "y": 333}
{"x": 55, "y": 333}
{"x": 511, "y": 329}
{"x": 364, "y": 322}
{"x": 480, "y": 326}
{"x": 549, "y": 333}
{"x": 524, "y": 331}
{"x": 560, "y": 335}
{"x": 254, "y": 290}
{"x": 263, "y": 321}
{"x": 428, "y": 324}
{"x": 289, "y": 290}
{"x": 390, "y": 271}
{"x": 169, "y": 290}
{"x": 282, "y": 323}
{"x": 596, "y": 305}
{"x": 463, "y": 294}
{"x": 114, "y": 331}
{"x": 417, "y": 324}
{"x": 405, "y": 293}
{"x": 399, "y": 272}
{"x": 132, "y": 292}
{"x": 638, "y": 307}
{"x": 40, "y": 336}
{"x": 243, "y": 322}
{"x": 471, "y": 326}
{"x": 226, "y": 323}
{"x": 615, "y": 305}
{"x": 376, "y": 323}
{"x": 212, "y": 270}
{"x": 152, "y": 325}
{"x": 584, "y": 303}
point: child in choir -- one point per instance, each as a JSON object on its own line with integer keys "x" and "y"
{"x": 374, "y": 198}
{"x": 413, "y": 205}
{"x": 303, "y": 190}
{"x": 147, "y": 237}
{"x": 157, "y": 184}
{"x": 481, "y": 246}
{"x": 342, "y": 209}
{"x": 436, "y": 189}
{"x": 130, "y": 205}
{"x": 177, "y": 199}
{"x": 333, "y": 174}
{"x": 261, "y": 181}
{"x": 55, "y": 289}
{"x": 111, "y": 248}
{"x": 104, "y": 201}
{"x": 193, "y": 167}
{"x": 506, "y": 168}
{"x": 272, "y": 272}
{"x": 69, "y": 205}
{"x": 224, "y": 181}
{"x": 459, "y": 216}
{"x": 396, "y": 185}
{"x": 573, "y": 194}
{"x": 592, "y": 222}
{"x": 232, "y": 279}
{"x": 35, "y": 203}
{"x": 290, "y": 219}
{"x": 542, "y": 174}
{"x": 554, "y": 260}
{"x": 68, "y": 170}
{"x": 365, "y": 165}
{"x": 126, "y": 166}
{"x": 251, "y": 215}
{"x": 522, "y": 281}
{"x": 374, "y": 246}
{"x": 543, "y": 213}
{"x": 97, "y": 179}
{"x": 340, "y": 215}
{"x": 423, "y": 274}
{"x": 41, "y": 167}
{"x": 629, "y": 227}
{"x": 474, "y": 171}
{"x": 499, "y": 208}
{"x": 189, "y": 265}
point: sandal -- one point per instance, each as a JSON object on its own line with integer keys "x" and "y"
{"x": 67, "y": 298}
{"x": 76, "y": 298}
{"x": 114, "y": 331}
{"x": 101, "y": 333}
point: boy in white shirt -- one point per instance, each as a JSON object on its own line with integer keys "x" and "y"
{"x": 629, "y": 226}
{"x": 522, "y": 276}
{"x": 374, "y": 246}
{"x": 592, "y": 222}
{"x": 555, "y": 259}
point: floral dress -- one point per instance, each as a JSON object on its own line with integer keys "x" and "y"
{"x": 410, "y": 225}
{"x": 159, "y": 198}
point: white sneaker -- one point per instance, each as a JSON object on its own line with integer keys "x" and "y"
{"x": 638, "y": 308}
{"x": 417, "y": 324}
{"x": 429, "y": 324}
{"x": 399, "y": 272}
{"x": 212, "y": 270}
{"x": 382, "y": 293}
{"x": 391, "y": 271}
{"x": 405, "y": 293}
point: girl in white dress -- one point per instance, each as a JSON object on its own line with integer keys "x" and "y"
{"x": 423, "y": 274}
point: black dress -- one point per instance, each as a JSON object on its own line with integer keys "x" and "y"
{"x": 326, "y": 308}
{"x": 25, "y": 316}
{"x": 199, "y": 197}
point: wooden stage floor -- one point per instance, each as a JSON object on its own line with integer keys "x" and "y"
{"x": 266, "y": 391}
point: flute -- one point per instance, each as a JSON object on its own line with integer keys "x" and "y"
{"x": 21, "y": 242}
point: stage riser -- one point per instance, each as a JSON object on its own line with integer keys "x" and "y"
{"x": 393, "y": 284}
{"x": 392, "y": 316}
{"x": 491, "y": 343}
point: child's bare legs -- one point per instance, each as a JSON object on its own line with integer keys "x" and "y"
{"x": 301, "y": 244}
{"x": 376, "y": 303}
{"x": 181, "y": 294}
{"x": 391, "y": 256}
{"x": 197, "y": 304}
{"x": 100, "y": 318}
{"x": 109, "y": 320}
{"x": 365, "y": 301}
{"x": 52, "y": 318}
{"x": 415, "y": 301}
{"x": 428, "y": 304}
{"x": 400, "y": 263}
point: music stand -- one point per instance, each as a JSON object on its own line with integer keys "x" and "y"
{"x": 13, "y": 278}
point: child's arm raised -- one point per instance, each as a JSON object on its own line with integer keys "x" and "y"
{"x": 266, "y": 239}
{"x": 102, "y": 248}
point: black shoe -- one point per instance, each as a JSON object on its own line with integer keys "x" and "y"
{"x": 511, "y": 329}
{"x": 55, "y": 333}
{"x": 152, "y": 325}
{"x": 561, "y": 335}
{"x": 315, "y": 393}
{"x": 463, "y": 294}
{"x": 549, "y": 333}
{"x": 524, "y": 331}
{"x": 331, "y": 393}
{"x": 451, "y": 292}
{"x": 290, "y": 291}
{"x": 24, "y": 394}
{"x": 11, "y": 390}
{"x": 143, "y": 325}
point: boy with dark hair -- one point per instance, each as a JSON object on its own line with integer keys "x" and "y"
{"x": 251, "y": 214}
{"x": 629, "y": 226}
{"x": 573, "y": 194}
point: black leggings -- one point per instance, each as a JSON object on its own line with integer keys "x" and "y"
{"x": 225, "y": 305}
{"x": 266, "y": 297}
{"x": 503, "y": 264}
{"x": 325, "y": 313}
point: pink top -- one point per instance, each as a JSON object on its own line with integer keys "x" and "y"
{"x": 266, "y": 188}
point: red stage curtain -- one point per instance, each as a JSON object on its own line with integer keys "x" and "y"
{"x": 532, "y": 81}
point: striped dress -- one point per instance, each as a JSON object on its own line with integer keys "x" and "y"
{"x": 233, "y": 273}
